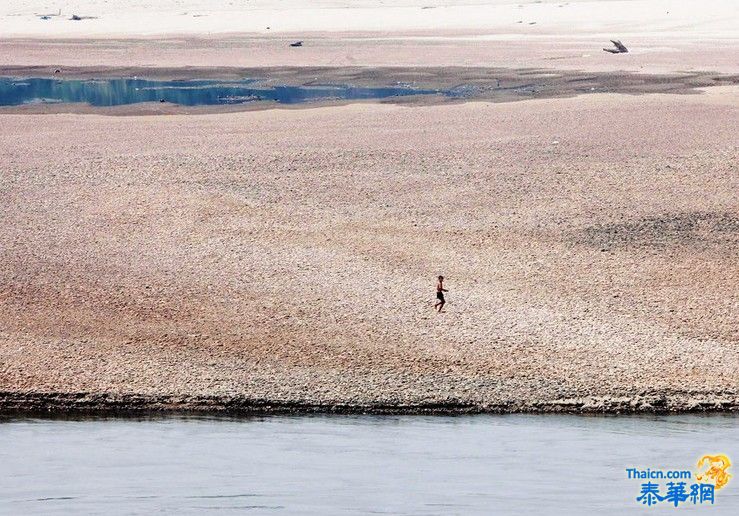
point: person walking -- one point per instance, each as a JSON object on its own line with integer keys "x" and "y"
{"x": 440, "y": 294}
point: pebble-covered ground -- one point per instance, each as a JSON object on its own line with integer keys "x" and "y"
{"x": 590, "y": 247}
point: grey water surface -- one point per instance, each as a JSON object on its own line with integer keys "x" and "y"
{"x": 116, "y": 92}
{"x": 517, "y": 464}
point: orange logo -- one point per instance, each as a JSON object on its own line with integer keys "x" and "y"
{"x": 712, "y": 468}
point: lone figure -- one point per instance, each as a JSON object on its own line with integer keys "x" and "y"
{"x": 440, "y": 294}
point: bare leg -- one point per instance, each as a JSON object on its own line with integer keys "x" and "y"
{"x": 441, "y": 306}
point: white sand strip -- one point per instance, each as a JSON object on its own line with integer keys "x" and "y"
{"x": 689, "y": 20}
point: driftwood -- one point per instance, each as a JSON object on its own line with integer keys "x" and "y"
{"x": 620, "y": 48}
{"x": 49, "y": 16}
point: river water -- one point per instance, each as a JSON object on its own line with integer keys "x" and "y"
{"x": 517, "y": 464}
{"x": 117, "y": 92}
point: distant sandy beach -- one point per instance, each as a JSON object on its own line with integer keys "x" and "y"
{"x": 283, "y": 260}
{"x": 664, "y": 35}
{"x": 502, "y": 19}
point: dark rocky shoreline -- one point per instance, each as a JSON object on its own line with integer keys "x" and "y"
{"x": 94, "y": 404}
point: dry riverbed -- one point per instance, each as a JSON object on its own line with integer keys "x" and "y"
{"x": 284, "y": 260}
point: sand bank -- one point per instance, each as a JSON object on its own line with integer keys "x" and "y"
{"x": 662, "y": 36}
{"x": 494, "y": 19}
{"x": 286, "y": 258}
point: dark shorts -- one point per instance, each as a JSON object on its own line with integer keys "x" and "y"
{"x": 440, "y": 296}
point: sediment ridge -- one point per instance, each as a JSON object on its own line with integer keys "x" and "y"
{"x": 84, "y": 403}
